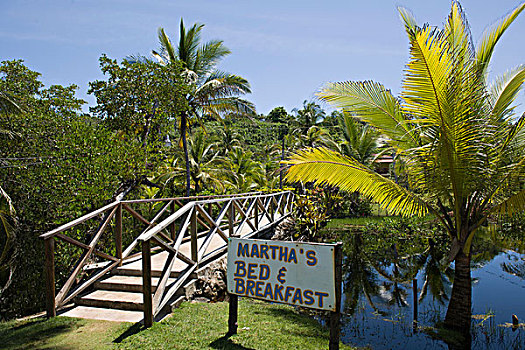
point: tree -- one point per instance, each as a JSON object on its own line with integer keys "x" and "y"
{"x": 360, "y": 140}
{"x": 278, "y": 115}
{"x": 61, "y": 165}
{"x": 311, "y": 114}
{"x": 242, "y": 173}
{"x": 212, "y": 92}
{"x": 139, "y": 98}
{"x": 462, "y": 145}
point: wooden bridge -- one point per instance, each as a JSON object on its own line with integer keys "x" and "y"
{"x": 167, "y": 241}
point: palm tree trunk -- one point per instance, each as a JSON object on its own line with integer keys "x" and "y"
{"x": 281, "y": 172}
{"x": 183, "y": 127}
{"x": 459, "y": 312}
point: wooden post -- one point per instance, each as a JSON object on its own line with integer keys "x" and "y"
{"x": 232, "y": 314}
{"x": 272, "y": 209}
{"x": 414, "y": 292}
{"x": 50, "y": 276}
{"x": 231, "y": 218}
{"x": 173, "y": 228}
{"x": 210, "y": 210}
{"x": 335, "y": 316}
{"x": 256, "y": 213}
{"x": 118, "y": 233}
{"x": 193, "y": 235}
{"x": 146, "y": 283}
{"x": 233, "y": 307}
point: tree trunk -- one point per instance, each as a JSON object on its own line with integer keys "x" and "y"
{"x": 183, "y": 127}
{"x": 281, "y": 165}
{"x": 459, "y": 312}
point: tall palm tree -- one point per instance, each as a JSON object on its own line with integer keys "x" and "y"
{"x": 213, "y": 92}
{"x": 463, "y": 146}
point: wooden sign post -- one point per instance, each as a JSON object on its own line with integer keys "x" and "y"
{"x": 335, "y": 316}
{"x": 295, "y": 273}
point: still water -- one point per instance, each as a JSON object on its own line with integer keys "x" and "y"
{"x": 382, "y": 275}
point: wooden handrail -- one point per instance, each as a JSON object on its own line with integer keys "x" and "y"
{"x": 75, "y": 222}
{"x": 164, "y": 223}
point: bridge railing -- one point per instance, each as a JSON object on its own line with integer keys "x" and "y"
{"x": 178, "y": 220}
{"x": 230, "y": 217}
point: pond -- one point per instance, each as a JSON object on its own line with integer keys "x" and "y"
{"x": 397, "y": 284}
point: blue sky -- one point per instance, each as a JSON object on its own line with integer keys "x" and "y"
{"x": 287, "y": 49}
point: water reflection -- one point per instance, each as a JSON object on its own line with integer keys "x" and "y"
{"x": 391, "y": 282}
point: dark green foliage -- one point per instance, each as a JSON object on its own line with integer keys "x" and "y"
{"x": 60, "y": 165}
{"x": 278, "y": 115}
{"x": 142, "y": 99}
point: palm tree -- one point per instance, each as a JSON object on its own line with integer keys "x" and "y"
{"x": 310, "y": 115}
{"x": 203, "y": 158}
{"x": 213, "y": 93}
{"x": 463, "y": 147}
{"x": 360, "y": 140}
{"x": 243, "y": 174}
{"x": 228, "y": 138}
{"x": 315, "y": 136}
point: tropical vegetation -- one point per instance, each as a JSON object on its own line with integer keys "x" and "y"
{"x": 459, "y": 136}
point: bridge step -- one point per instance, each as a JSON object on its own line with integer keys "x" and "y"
{"x": 112, "y": 300}
{"x": 125, "y": 293}
{"x": 125, "y": 283}
{"x": 131, "y": 271}
{"x": 97, "y": 313}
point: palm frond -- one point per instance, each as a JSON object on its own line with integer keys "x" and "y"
{"x": 427, "y": 73}
{"x": 208, "y": 55}
{"x": 408, "y": 18}
{"x": 511, "y": 205}
{"x": 326, "y": 167}
{"x": 168, "y": 53}
{"x": 371, "y": 102}
{"x": 8, "y": 105}
{"x": 504, "y": 92}
{"x": 491, "y": 37}
{"x": 189, "y": 41}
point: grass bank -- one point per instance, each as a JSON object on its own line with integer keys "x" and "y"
{"x": 192, "y": 326}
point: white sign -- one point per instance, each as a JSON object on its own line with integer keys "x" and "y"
{"x": 301, "y": 274}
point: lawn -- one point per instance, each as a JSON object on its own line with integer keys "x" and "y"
{"x": 192, "y": 326}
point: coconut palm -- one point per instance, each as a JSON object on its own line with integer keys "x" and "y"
{"x": 310, "y": 115}
{"x": 315, "y": 137}
{"x": 463, "y": 147}
{"x": 228, "y": 138}
{"x": 242, "y": 173}
{"x": 202, "y": 158}
{"x": 360, "y": 140}
{"x": 213, "y": 93}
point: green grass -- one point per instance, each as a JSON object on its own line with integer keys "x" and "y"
{"x": 192, "y": 326}
{"x": 58, "y": 333}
